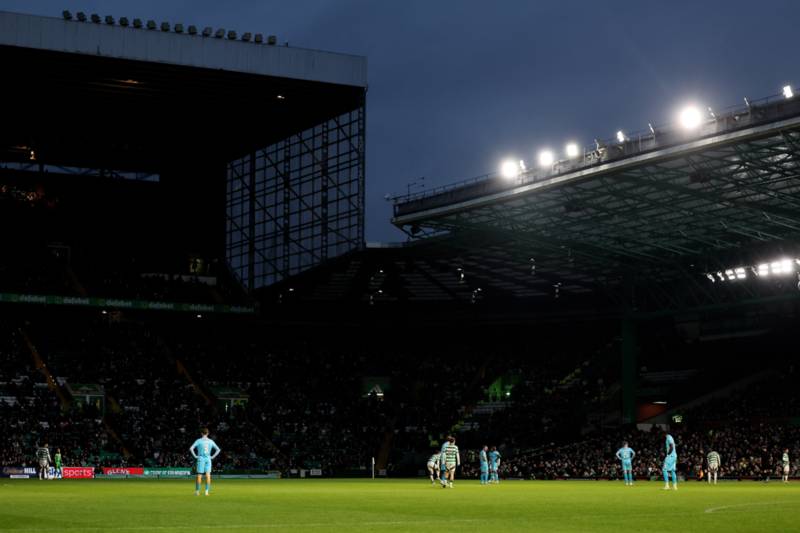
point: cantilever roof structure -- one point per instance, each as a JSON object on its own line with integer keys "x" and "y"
{"x": 90, "y": 94}
{"x": 664, "y": 206}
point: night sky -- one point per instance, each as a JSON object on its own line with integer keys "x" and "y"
{"x": 457, "y": 86}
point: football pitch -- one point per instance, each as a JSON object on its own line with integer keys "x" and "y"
{"x": 393, "y": 505}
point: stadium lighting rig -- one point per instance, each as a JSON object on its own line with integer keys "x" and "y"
{"x": 509, "y": 170}
{"x": 572, "y": 150}
{"x": 546, "y": 158}
{"x": 689, "y": 118}
{"x": 221, "y": 33}
{"x": 778, "y": 268}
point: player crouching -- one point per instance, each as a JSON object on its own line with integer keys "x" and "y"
{"x": 433, "y": 467}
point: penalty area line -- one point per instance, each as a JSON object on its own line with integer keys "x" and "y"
{"x": 745, "y": 505}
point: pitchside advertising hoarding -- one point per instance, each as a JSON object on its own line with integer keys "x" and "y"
{"x": 123, "y": 471}
{"x": 168, "y": 471}
{"x": 67, "y": 472}
{"x": 77, "y": 472}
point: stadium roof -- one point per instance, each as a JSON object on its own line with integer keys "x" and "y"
{"x": 669, "y": 205}
{"x": 95, "y": 94}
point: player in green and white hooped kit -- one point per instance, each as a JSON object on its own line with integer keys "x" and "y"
{"x": 204, "y": 447}
{"x": 43, "y": 457}
{"x": 786, "y": 465}
{"x": 433, "y": 467}
{"x": 714, "y": 462}
{"x": 452, "y": 459}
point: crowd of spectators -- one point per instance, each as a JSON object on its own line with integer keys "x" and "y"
{"x": 743, "y": 450}
{"x": 275, "y": 403}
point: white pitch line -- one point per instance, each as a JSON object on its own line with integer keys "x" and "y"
{"x": 736, "y": 505}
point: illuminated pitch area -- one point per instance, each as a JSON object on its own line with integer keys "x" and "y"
{"x": 396, "y": 505}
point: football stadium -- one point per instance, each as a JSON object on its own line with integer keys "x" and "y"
{"x": 195, "y": 333}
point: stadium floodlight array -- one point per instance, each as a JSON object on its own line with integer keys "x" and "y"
{"x": 208, "y": 31}
{"x": 777, "y": 268}
{"x": 689, "y": 118}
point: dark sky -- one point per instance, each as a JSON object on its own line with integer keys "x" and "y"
{"x": 456, "y": 86}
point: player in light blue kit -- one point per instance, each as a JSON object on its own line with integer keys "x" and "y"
{"x": 626, "y": 455}
{"x": 670, "y": 462}
{"x": 484, "y": 465}
{"x": 204, "y": 447}
{"x": 494, "y": 464}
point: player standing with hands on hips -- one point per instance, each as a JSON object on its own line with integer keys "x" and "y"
{"x": 204, "y": 447}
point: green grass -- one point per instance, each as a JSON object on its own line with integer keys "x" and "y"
{"x": 393, "y": 505}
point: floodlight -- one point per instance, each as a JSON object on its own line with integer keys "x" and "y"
{"x": 572, "y": 150}
{"x": 620, "y": 136}
{"x": 711, "y": 278}
{"x": 546, "y": 158}
{"x": 691, "y": 118}
{"x": 787, "y": 91}
{"x": 763, "y": 270}
{"x": 509, "y": 170}
{"x": 522, "y": 166}
{"x": 730, "y": 274}
{"x": 740, "y": 273}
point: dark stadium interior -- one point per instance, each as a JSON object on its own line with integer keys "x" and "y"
{"x": 553, "y": 323}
